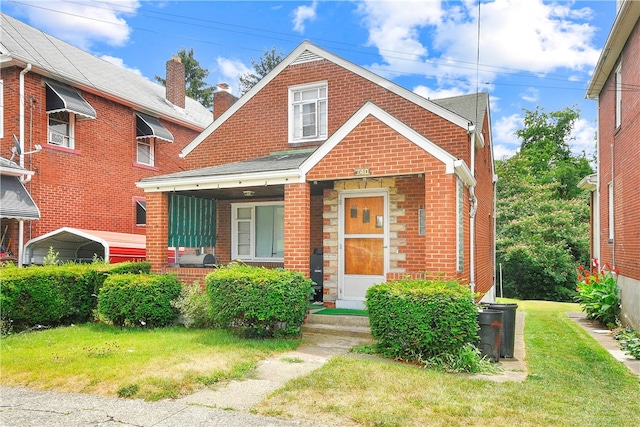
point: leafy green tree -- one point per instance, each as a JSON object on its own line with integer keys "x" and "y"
{"x": 542, "y": 216}
{"x": 197, "y": 88}
{"x": 267, "y": 62}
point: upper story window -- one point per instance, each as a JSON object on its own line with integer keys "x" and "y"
{"x": 308, "y": 112}
{"x": 61, "y": 128}
{"x": 145, "y": 151}
{"x": 618, "y": 75}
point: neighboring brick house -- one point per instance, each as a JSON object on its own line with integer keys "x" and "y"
{"x": 325, "y": 157}
{"x": 101, "y": 128}
{"x": 615, "y": 198}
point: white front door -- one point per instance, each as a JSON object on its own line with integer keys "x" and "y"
{"x": 363, "y": 242}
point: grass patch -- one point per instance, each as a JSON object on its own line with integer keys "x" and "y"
{"x": 147, "y": 364}
{"x": 342, "y": 312}
{"x": 572, "y": 381}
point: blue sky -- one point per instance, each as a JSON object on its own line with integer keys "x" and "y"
{"x": 529, "y": 53}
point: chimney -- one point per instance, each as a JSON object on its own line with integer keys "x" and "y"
{"x": 176, "y": 82}
{"x": 222, "y": 99}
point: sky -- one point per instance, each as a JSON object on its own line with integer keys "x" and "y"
{"x": 526, "y": 54}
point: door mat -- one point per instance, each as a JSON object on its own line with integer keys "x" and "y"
{"x": 342, "y": 312}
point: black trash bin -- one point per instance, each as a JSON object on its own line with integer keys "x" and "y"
{"x": 490, "y": 322}
{"x": 508, "y": 334}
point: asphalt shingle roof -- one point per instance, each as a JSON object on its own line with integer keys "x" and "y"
{"x": 74, "y": 66}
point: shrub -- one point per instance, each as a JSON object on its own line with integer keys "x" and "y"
{"x": 417, "y": 319}
{"x": 194, "y": 305}
{"x": 139, "y": 299}
{"x": 629, "y": 342}
{"x": 598, "y": 294}
{"x": 258, "y": 302}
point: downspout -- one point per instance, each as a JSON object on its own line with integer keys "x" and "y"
{"x": 472, "y": 215}
{"x": 28, "y": 178}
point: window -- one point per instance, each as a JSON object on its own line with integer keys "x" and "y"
{"x": 308, "y": 113}
{"x": 460, "y": 227}
{"x": 145, "y": 151}
{"x": 141, "y": 211}
{"x": 610, "y": 188}
{"x": 61, "y": 128}
{"x": 258, "y": 231}
{"x": 618, "y": 95}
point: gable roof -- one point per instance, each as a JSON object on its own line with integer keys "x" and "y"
{"x": 307, "y": 52}
{"x": 626, "y": 19}
{"x": 21, "y": 44}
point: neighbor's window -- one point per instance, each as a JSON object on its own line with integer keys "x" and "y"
{"x": 141, "y": 211}
{"x": 610, "y": 188}
{"x": 618, "y": 76}
{"x": 145, "y": 151}
{"x": 61, "y": 127}
{"x": 308, "y": 113}
{"x": 460, "y": 227}
{"x": 258, "y": 231}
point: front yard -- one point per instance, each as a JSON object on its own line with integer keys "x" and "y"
{"x": 572, "y": 380}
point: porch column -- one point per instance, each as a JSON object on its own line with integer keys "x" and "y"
{"x": 297, "y": 230}
{"x": 440, "y": 213}
{"x": 157, "y": 230}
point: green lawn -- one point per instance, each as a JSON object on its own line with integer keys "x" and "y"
{"x": 150, "y": 364}
{"x": 572, "y": 381}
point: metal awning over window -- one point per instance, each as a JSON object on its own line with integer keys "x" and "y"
{"x": 150, "y": 127}
{"x": 62, "y": 98}
{"x": 15, "y": 200}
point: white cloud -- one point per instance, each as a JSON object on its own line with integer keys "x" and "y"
{"x": 230, "y": 71}
{"x": 505, "y": 141}
{"x": 530, "y": 95}
{"x": 120, "y": 63}
{"x": 439, "y": 39}
{"x": 429, "y": 93}
{"x": 83, "y": 23}
{"x": 583, "y": 138}
{"x": 302, "y": 14}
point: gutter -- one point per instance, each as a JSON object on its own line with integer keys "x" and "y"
{"x": 473, "y": 201}
{"x": 28, "y": 177}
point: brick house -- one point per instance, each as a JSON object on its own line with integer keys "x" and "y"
{"x": 324, "y": 158}
{"x": 101, "y": 128}
{"x": 615, "y": 205}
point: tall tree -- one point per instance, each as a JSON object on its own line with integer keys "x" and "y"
{"x": 196, "y": 87}
{"x": 267, "y": 62}
{"x": 542, "y": 216}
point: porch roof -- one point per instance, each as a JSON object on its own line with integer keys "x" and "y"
{"x": 276, "y": 168}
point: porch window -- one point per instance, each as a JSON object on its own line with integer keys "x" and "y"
{"x": 308, "y": 113}
{"x": 258, "y": 231}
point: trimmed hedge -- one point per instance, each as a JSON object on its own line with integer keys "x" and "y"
{"x": 54, "y": 295}
{"x": 257, "y": 301}
{"x": 139, "y": 299}
{"x": 418, "y": 319}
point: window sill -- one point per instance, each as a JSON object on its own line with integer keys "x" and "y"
{"x": 63, "y": 149}
{"x": 147, "y": 167}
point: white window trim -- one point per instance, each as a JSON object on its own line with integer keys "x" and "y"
{"x": 234, "y": 232}
{"x": 152, "y": 155}
{"x": 71, "y": 137}
{"x": 299, "y": 88}
{"x": 618, "y": 77}
{"x": 611, "y": 211}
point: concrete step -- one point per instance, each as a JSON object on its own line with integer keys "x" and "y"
{"x": 341, "y": 320}
{"x": 363, "y": 332}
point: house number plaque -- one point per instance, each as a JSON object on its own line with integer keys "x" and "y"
{"x": 362, "y": 171}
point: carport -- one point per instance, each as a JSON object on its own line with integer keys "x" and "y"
{"x": 73, "y": 244}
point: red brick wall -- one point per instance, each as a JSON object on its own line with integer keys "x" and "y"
{"x": 297, "y": 227}
{"x": 261, "y": 125}
{"x": 623, "y": 143}
{"x": 92, "y": 186}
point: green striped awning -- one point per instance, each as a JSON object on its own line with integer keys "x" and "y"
{"x": 192, "y": 221}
